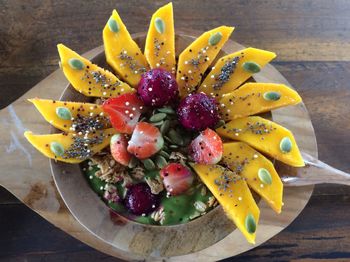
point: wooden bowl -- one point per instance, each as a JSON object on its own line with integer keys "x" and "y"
{"x": 147, "y": 241}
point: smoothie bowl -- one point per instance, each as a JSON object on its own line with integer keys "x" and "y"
{"x": 163, "y": 156}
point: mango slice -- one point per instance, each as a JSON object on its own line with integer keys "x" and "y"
{"x": 70, "y": 147}
{"x": 197, "y": 57}
{"x": 72, "y": 116}
{"x": 254, "y": 98}
{"x": 233, "y": 70}
{"x": 122, "y": 52}
{"x": 265, "y": 136}
{"x": 88, "y": 78}
{"x": 160, "y": 41}
{"x": 234, "y": 196}
{"x": 258, "y": 171}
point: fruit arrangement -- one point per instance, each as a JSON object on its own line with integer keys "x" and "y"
{"x": 165, "y": 139}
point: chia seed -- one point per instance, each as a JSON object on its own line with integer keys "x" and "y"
{"x": 81, "y": 147}
{"x": 256, "y": 128}
{"x": 157, "y": 46}
{"x": 89, "y": 123}
{"x": 100, "y": 79}
{"x": 228, "y": 177}
{"x": 131, "y": 62}
{"x": 226, "y": 71}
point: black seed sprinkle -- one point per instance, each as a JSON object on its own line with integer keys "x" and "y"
{"x": 89, "y": 123}
{"x": 226, "y": 71}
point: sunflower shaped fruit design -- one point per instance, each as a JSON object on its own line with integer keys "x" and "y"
{"x": 182, "y": 136}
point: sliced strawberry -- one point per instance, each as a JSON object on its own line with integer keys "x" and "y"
{"x": 206, "y": 148}
{"x": 176, "y": 178}
{"x": 124, "y": 111}
{"x": 146, "y": 140}
{"x": 119, "y": 143}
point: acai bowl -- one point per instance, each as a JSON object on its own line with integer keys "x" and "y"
{"x": 184, "y": 160}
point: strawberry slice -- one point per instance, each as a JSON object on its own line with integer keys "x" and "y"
{"x": 206, "y": 148}
{"x": 124, "y": 111}
{"x": 146, "y": 140}
{"x": 176, "y": 178}
{"x": 119, "y": 144}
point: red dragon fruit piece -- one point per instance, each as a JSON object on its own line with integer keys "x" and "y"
{"x": 197, "y": 112}
{"x": 140, "y": 200}
{"x": 157, "y": 88}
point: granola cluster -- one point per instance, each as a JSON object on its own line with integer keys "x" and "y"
{"x": 109, "y": 170}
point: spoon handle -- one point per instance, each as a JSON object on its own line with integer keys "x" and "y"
{"x": 316, "y": 172}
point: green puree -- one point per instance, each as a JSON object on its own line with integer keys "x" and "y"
{"x": 95, "y": 183}
{"x": 98, "y": 186}
{"x": 177, "y": 209}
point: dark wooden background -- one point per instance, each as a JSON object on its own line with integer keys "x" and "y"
{"x": 312, "y": 40}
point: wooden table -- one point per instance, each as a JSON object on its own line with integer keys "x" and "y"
{"x": 312, "y": 40}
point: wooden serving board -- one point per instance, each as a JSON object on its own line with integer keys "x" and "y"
{"x": 26, "y": 173}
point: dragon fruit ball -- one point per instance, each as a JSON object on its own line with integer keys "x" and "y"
{"x": 140, "y": 200}
{"x": 157, "y": 88}
{"x": 197, "y": 112}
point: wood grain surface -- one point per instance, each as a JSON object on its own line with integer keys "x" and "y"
{"x": 312, "y": 41}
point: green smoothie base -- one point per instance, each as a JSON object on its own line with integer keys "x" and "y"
{"x": 175, "y": 209}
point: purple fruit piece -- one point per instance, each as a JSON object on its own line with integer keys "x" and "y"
{"x": 197, "y": 112}
{"x": 157, "y": 88}
{"x": 139, "y": 199}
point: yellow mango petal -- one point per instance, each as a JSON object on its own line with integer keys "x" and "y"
{"x": 246, "y": 161}
{"x": 253, "y": 98}
{"x": 265, "y": 136}
{"x": 91, "y": 80}
{"x": 236, "y": 199}
{"x": 229, "y": 73}
{"x": 197, "y": 57}
{"x": 122, "y": 52}
{"x": 160, "y": 41}
{"x": 43, "y": 144}
{"x": 79, "y": 111}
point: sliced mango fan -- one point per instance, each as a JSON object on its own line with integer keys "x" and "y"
{"x": 243, "y": 167}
